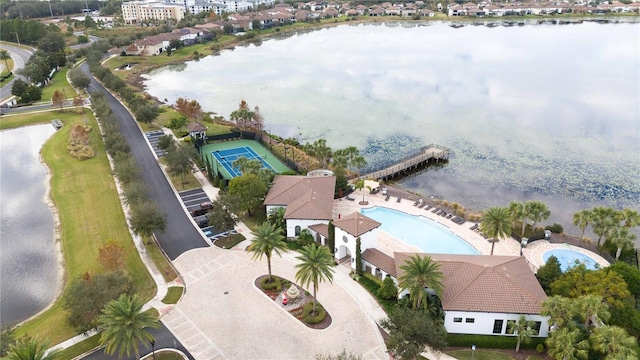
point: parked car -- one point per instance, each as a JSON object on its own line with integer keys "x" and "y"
{"x": 203, "y": 208}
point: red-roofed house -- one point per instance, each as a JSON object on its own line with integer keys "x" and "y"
{"x": 308, "y": 200}
{"x": 482, "y": 294}
{"x": 351, "y": 227}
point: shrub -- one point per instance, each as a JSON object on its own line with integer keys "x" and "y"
{"x": 388, "y": 290}
{"x": 306, "y": 313}
{"x": 555, "y": 228}
{"x": 540, "y": 348}
{"x": 275, "y": 283}
{"x": 490, "y": 341}
{"x": 371, "y": 277}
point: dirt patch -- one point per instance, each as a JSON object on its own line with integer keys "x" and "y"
{"x": 294, "y": 308}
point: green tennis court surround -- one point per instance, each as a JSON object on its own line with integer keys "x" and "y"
{"x": 222, "y": 155}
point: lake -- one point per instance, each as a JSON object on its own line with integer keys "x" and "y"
{"x": 29, "y": 276}
{"x": 545, "y": 112}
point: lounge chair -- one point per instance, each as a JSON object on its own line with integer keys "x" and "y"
{"x": 387, "y": 198}
{"x": 428, "y": 207}
{"x": 350, "y": 198}
{"x": 421, "y": 205}
{"x": 435, "y": 210}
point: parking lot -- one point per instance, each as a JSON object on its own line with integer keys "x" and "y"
{"x": 198, "y": 203}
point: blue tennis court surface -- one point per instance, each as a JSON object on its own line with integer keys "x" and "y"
{"x": 228, "y": 156}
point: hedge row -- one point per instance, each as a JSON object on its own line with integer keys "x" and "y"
{"x": 490, "y": 341}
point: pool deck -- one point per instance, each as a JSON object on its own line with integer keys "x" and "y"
{"x": 388, "y": 244}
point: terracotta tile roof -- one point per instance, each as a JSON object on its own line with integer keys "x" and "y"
{"x": 356, "y": 224}
{"x": 380, "y": 260}
{"x": 486, "y": 283}
{"x": 305, "y": 197}
{"x": 322, "y": 229}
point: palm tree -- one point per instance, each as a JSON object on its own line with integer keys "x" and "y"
{"x": 496, "y": 224}
{"x": 518, "y": 212}
{"x": 537, "y": 212}
{"x": 31, "y": 349}
{"x": 566, "y": 344}
{"x": 523, "y": 329}
{"x": 622, "y": 238}
{"x": 267, "y": 240}
{"x": 420, "y": 272}
{"x": 316, "y": 265}
{"x": 559, "y": 309}
{"x": 305, "y": 237}
{"x": 603, "y": 221}
{"x": 5, "y": 56}
{"x": 614, "y": 342}
{"x": 630, "y": 217}
{"x": 592, "y": 308}
{"x": 581, "y": 219}
{"x": 124, "y": 325}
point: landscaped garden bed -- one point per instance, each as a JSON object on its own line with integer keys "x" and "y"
{"x": 299, "y": 307}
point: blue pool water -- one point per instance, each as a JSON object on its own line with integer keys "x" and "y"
{"x": 420, "y": 231}
{"x": 570, "y": 258}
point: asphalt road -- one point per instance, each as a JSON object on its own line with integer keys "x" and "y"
{"x": 163, "y": 339}
{"x": 180, "y": 234}
{"x": 20, "y": 58}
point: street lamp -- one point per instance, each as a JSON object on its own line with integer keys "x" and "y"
{"x": 285, "y": 153}
{"x": 473, "y": 350}
{"x": 153, "y": 350}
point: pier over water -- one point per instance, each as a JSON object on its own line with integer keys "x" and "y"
{"x": 425, "y": 156}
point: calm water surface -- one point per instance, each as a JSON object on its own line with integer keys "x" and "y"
{"x": 544, "y": 112}
{"x": 28, "y": 256}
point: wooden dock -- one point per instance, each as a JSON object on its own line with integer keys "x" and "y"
{"x": 427, "y": 154}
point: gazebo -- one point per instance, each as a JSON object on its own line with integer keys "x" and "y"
{"x": 196, "y": 130}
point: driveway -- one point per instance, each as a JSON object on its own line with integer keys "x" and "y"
{"x": 180, "y": 234}
{"x": 223, "y": 315}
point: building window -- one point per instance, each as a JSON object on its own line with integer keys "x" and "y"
{"x": 469, "y": 320}
{"x": 536, "y": 328}
{"x": 457, "y": 320}
{"x": 297, "y": 230}
{"x": 497, "y": 326}
{"x": 511, "y": 326}
{"x": 344, "y": 238}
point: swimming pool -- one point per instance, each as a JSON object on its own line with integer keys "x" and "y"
{"x": 569, "y": 258}
{"x": 419, "y": 231}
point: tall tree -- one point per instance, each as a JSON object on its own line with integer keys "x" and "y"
{"x": 614, "y": 343}
{"x": 249, "y": 190}
{"x": 581, "y": 219}
{"x": 358, "y": 256}
{"x": 242, "y": 115}
{"x": 630, "y": 218}
{"x": 560, "y": 310}
{"x": 523, "y": 329}
{"x": 322, "y": 151}
{"x": 315, "y": 266}
{"x": 79, "y": 79}
{"x": 331, "y": 239}
{"x": 410, "y": 331}
{"x": 258, "y": 119}
{"x": 592, "y": 309}
{"x": 518, "y": 213}
{"x": 537, "y": 212}
{"x": 567, "y": 344}
{"x": 57, "y": 99}
{"x": 112, "y": 256}
{"x": 603, "y": 221}
{"x": 276, "y": 217}
{"x": 267, "y": 240}
{"x": 419, "y": 273}
{"x": 496, "y": 224}
{"x": 221, "y": 215}
{"x": 5, "y": 56}
{"x": 180, "y": 161}
{"x": 579, "y": 281}
{"x": 28, "y": 348}
{"x": 622, "y": 239}
{"x": 125, "y": 325}
{"x": 548, "y": 273}
{"x": 146, "y": 218}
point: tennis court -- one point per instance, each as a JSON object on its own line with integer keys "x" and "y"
{"x": 223, "y": 154}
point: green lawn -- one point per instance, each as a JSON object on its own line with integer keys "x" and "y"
{"x": 478, "y": 355}
{"x": 90, "y": 214}
{"x": 12, "y": 121}
{"x": 58, "y": 83}
{"x": 232, "y": 241}
{"x": 173, "y": 295}
{"x": 80, "y": 348}
{"x": 161, "y": 261}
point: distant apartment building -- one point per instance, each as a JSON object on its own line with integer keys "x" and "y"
{"x": 218, "y": 6}
{"x": 134, "y": 12}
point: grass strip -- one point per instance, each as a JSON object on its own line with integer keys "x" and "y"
{"x": 13, "y": 121}
{"x": 478, "y": 355}
{"x": 160, "y": 260}
{"x": 174, "y": 293}
{"x": 90, "y": 214}
{"x": 80, "y": 348}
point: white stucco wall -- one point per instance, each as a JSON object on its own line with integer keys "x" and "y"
{"x": 304, "y": 224}
{"x": 483, "y": 322}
